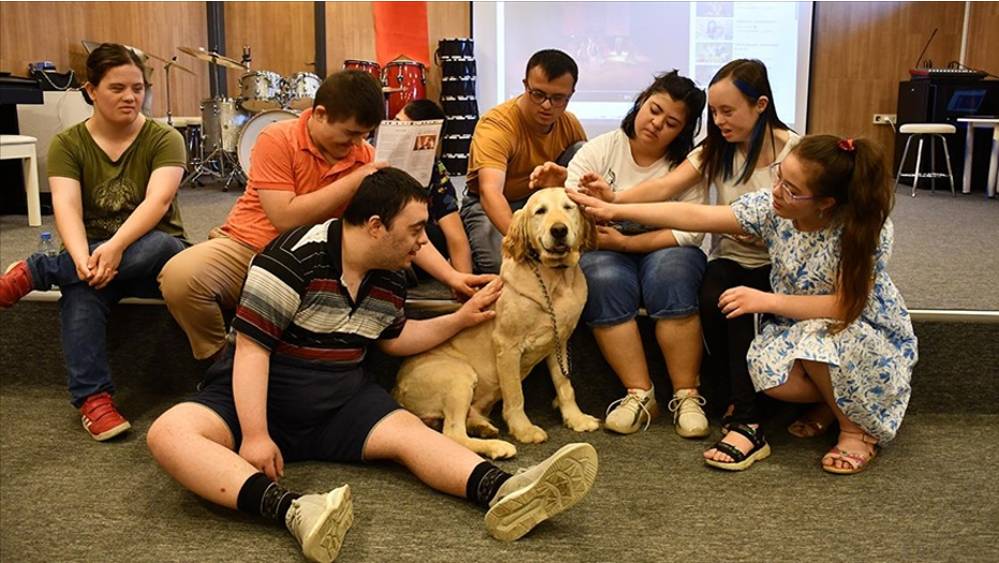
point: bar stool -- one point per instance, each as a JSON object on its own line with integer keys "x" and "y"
{"x": 22, "y": 147}
{"x": 920, "y": 131}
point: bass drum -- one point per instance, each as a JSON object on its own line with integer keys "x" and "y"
{"x": 251, "y": 130}
{"x": 221, "y": 121}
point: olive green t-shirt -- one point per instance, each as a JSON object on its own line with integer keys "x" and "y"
{"x": 111, "y": 190}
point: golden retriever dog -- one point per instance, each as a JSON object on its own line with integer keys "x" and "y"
{"x": 461, "y": 380}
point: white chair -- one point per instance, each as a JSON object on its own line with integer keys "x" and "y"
{"x": 22, "y": 147}
{"x": 920, "y": 131}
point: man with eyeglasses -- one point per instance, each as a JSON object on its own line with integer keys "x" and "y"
{"x": 509, "y": 141}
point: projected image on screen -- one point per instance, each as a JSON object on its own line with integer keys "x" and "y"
{"x": 619, "y": 46}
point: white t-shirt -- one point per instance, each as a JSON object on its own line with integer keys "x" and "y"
{"x": 610, "y": 156}
{"x": 727, "y": 191}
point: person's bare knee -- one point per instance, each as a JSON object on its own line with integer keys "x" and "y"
{"x": 183, "y": 422}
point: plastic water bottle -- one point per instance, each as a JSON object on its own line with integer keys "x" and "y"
{"x": 46, "y": 246}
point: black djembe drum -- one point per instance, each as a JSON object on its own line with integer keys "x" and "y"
{"x": 456, "y": 58}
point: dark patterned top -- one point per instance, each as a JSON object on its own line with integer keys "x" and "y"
{"x": 442, "y": 199}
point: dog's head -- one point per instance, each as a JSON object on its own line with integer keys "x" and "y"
{"x": 550, "y": 229}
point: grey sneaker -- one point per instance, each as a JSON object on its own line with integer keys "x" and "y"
{"x": 633, "y": 412}
{"x": 320, "y": 521}
{"x": 688, "y": 416}
{"x": 536, "y": 494}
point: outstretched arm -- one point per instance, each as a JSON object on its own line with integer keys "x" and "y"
{"x": 662, "y": 188}
{"x": 672, "y": 214}
{"x": 420, "y": 336}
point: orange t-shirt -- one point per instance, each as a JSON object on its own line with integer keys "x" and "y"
{"x": 285, "y": 158}
{"x": 503, "y": 140}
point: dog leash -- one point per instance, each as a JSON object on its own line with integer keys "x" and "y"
{"x": 563, "y": 364}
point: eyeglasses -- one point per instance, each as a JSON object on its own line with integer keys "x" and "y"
{"x": 778, "y": 182}
{"x": 539, "y": 97}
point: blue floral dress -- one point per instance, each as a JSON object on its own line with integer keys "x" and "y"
{"x": 870, "y": 361}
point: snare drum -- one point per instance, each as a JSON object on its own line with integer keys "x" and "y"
{"x": 459, "y": 105}
{"x": 460, "y": 86}
{"x": 457, "y": 47}
{"x": 251, "y": 130}
{"x": 369, "y": 67}
{"x": 458, "y": 68}
{"x": 221, "y": 120}
{"x": 260, "y": 90}
{"x": 411, "y": 77}
{"x": 301, "y": 90}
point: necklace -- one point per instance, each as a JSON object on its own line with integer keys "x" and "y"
{"x": 564, "y": 364}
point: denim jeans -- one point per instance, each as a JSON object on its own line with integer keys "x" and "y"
{"x": 83, "y": 310}
{"x": 665, "y": 281}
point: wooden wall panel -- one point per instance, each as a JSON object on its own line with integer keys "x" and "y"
{"x": 31, "y": 31}
{"x": 860, "y": 52}
{"x": 350, "y": 33}
{"x": 281, "y": 36}
{"x": 983, "y": 37}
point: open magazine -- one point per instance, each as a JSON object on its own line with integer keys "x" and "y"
{"x": 410, "y": 146}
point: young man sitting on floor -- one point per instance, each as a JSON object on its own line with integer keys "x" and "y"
{"x": 289, "y": 385}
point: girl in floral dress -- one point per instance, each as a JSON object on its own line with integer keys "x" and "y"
{"x": 835, "y": 329}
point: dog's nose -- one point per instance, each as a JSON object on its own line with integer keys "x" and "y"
{"x": 559, "y": 230}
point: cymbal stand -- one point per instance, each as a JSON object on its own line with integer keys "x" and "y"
{"x": 166, "y": 69}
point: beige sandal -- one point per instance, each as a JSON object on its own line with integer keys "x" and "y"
{"x": 857, "y": 462}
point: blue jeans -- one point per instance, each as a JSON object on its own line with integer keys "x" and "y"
{"x": 83, "y": 310}
{"x": 665, "y": 281}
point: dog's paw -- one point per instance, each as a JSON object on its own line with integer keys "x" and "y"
{"x": 583, "y": 423}
{"x": 498, "y": 449}
{"x": 482, "y": 429}
{"x": 531, "y": 434}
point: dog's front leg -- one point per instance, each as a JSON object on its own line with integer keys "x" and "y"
{"x": 565, "y": 396}
{"x": 510, "y": 381}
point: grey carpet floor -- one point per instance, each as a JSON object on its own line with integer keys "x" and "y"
{"x": 945, "y": 255}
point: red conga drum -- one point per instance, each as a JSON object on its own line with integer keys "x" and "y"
{"x": 370, "y": 67}
{"x": 406, "y": 81}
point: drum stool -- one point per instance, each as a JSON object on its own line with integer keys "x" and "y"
{"x": 919, "y": 131}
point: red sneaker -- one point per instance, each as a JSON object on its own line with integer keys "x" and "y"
{"x": 15, "y": 283}
{"x": 101, "y": 418}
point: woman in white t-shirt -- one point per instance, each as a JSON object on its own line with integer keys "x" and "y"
{"x": 636, "y": 266}
{"x": 745, "y": 137}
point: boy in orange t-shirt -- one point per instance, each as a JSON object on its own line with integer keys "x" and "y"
{"x": 305, "y": 171}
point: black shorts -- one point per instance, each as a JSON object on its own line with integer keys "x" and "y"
{"x": 339, "y": 434}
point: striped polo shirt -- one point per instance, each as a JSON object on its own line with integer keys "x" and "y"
{"x": 294, "y": 304}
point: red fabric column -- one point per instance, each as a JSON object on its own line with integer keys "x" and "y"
{"x": 401, "y": 29}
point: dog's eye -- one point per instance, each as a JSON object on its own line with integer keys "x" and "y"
{"x": 541, "y": 211}
{"x": 568, "y": 206}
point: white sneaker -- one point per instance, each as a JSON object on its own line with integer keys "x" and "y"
{"x": 320, "y": 521}
{"x": 536, "y": 494}
{"x": 688, "y": 416}
{"x": 632, "y": 412}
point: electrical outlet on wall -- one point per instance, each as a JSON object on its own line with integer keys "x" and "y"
{"x": 885, "y": 119}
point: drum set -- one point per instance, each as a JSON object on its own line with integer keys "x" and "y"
{"x": 220, "y": 144}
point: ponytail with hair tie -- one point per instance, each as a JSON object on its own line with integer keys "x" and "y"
{"x": 846, "y": 145}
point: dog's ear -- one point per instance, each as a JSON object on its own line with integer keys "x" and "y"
{"x": 589, "y": 232}
{"x": 515, "y": 243}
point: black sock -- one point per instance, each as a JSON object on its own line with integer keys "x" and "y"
{"x": 262, "y": 497}
{"x": 484, "y": 482}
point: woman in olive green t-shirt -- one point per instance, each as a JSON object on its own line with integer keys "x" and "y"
{"x": 114, "y": 181}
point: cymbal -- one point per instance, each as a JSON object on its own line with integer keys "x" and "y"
{"x": 174, "y": 64}
{"x": 211, "y": 57}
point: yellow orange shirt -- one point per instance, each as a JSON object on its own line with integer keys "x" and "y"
{"x": 504, "y": 141}
{"x": 285, "y": 158}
